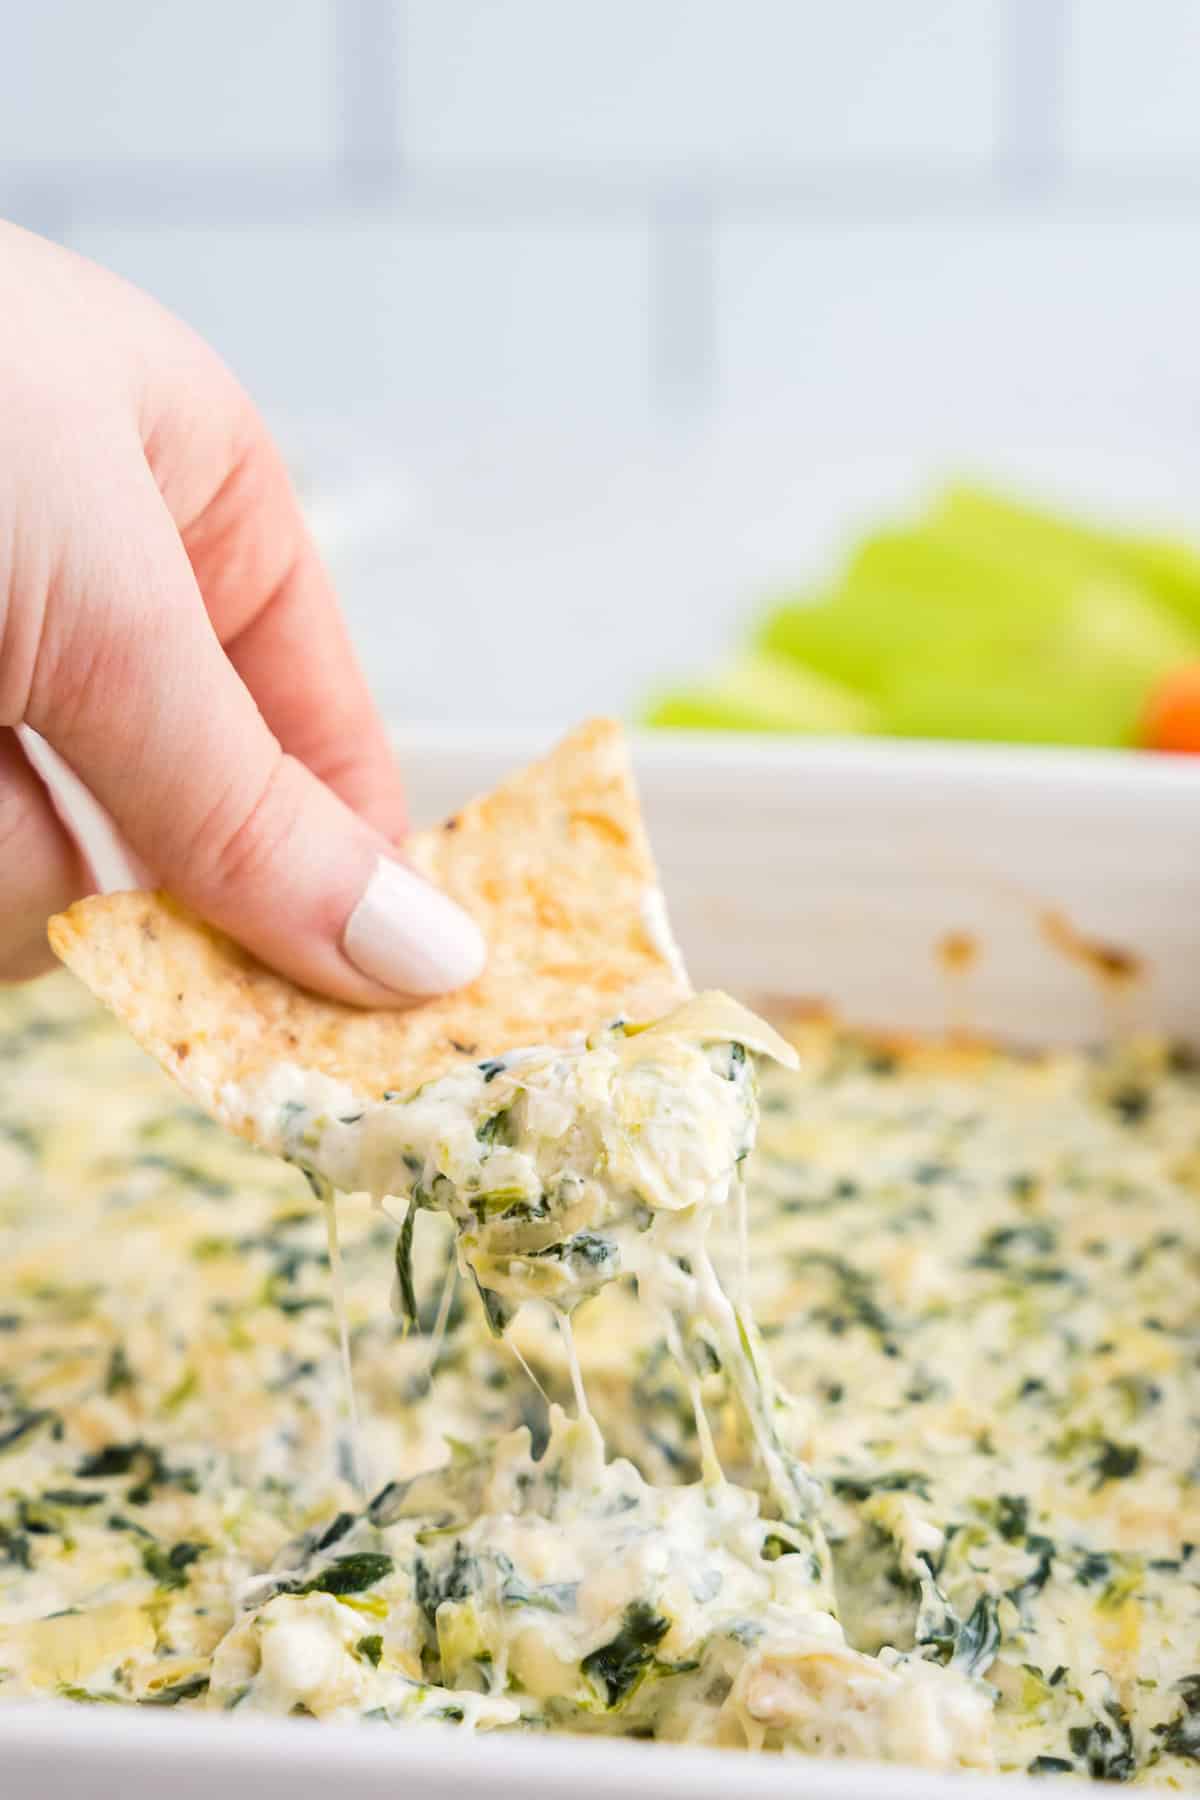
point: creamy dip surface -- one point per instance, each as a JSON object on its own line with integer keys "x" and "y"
{"x": 939, "y": 1505}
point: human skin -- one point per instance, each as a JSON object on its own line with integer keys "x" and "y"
{"x": 166, "y": 625}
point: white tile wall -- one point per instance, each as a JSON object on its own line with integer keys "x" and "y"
{"x": 512, "y": 243}
{"x": 719, "y": 83}
{"x": 134, "y": 79}
{"x": 539, "y": 583}
{"x": 957, "y": 333}
{"x": 543, "y": 582}
{"x": 1133, "y": 82}
{"x": 409, "y": 327}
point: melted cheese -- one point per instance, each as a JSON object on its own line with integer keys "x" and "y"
{"x": 594, "y": 1602}
{"x": 976, "y": 1276}
{"x": 562, "y": 1170}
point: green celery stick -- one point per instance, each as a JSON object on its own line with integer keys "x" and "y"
{"x": 829, "y": 638}
{"x": 1091, "y": 622}
{"x": 765, "y": 693}
{"x": 1006, "y": 708}
{"x": 906, "y": 597}
{"x": 956, "y": 635}
{"x": 1167, "y": 567}
{"x": 1170, "y": 569}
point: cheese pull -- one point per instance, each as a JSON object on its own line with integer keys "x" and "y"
{"x": 553, "y": 1163}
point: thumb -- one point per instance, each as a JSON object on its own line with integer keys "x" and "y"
{"x": 133, "y": 690}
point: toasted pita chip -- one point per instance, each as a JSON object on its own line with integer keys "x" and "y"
{"x": 554, "y": 865}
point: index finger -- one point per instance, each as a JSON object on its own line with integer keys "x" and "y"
{"x": 276, "y": 613}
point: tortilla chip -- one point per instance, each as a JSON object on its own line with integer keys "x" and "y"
{"x": 554, "y": 865}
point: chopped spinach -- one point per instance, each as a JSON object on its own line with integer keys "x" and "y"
{"x": 1042, "y": 1550}
{"x": 1014, "y": 1248}
{"x": 1131, "y": 1103}
{"x": 536, "y": 1420}
{"x": 37, "y": 1518}
{"x": 1140, "y": 1394}
{"x": 294, "y": 1370}
{"x": 496, "y": 1309}
{"x": 69, "y": 1690}
{"x": 457, "y": 1581}
{"x": 1012, "y": 1516}
{"x": 890, "y": 1481}
{"x": 856, "y": 1303}
{"x": 1106, "y": 1746}
{"x": 118, "y": 1375}
{"x": 1181, "y": 1735}
{"x": 457, "y": 1310}
{"x": 1115, "y": 1462}
{"x": 19, "y": 1136}
{"x": 498, "y": 1129}
{"x": 21, "y": 1426}
{"x": 978, "y": 1637}
{"x": 548, "y": 1596}
{"x": 113, "y": 1459}
{"x": 145, "y": 1461}
{"x": 619, "y": 1666}
{"x": 188, "y": 1174}
{"x": 169, "y": 1567}
{"x": 116, "y": 1522}
{"x": 968, "y": 1644}
{"x": 348, "y": 1574}
{"x": 370, "y": 1649}
{"x": 334, "y": 1532}
{"x": 1093, "y": 1567}
{"x": 586, "y": 1247}
{"x": 384, "y": 1507}
{"x": 301, "y": 1304}
{"x": 404, "y": 1275}
{"x": 14, "y": 1548}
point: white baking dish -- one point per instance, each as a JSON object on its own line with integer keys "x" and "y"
{"x": 834, "y": 870}
{"x": 818, "y": 870}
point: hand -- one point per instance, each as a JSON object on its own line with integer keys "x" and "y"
{"x": 166, "y": 625}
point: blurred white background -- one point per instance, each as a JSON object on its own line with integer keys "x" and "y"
{"x": 586, "y": 321}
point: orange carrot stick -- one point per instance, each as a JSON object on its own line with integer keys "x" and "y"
{"x": 1171, "y": 720}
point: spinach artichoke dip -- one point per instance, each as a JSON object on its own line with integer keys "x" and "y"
{"x": 914, "y": 1476}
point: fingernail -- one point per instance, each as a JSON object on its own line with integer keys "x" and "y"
{"x": 408, "y": 937}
